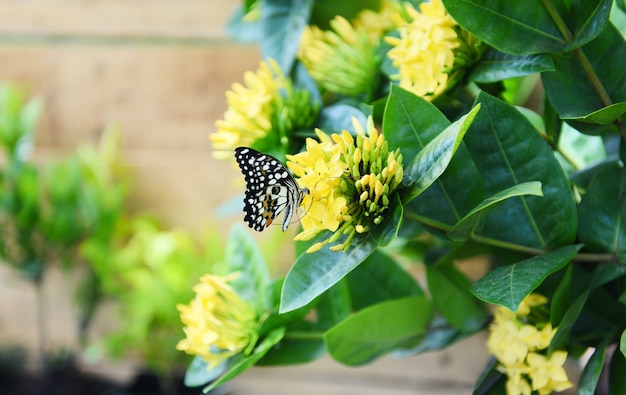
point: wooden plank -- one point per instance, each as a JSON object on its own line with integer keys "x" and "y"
{"x": 117, "y": 18}
{"x": 162, "y": 97}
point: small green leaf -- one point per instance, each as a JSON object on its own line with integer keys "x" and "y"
{"x": 451, "y": 295}
{"x": 197, "y": 373}
{"x": 508, "y": 285}
{"x": 379, "y": 329}
{"x": 246, "y": 363}
{"x": 434, "y": 158}
{"x": 591, "y": 373}
{"x": 617, "y": 378}
{"x": 281, "y": 22}
{"x": 496, "y": 66}
{"x": 603, "y": 116}
{"x": 468, "y": 224}
{"x": 622, "y": 344}
{"x": 314, "y": 273}
{"x": 302, "y": 343}
{"x": 569, "y": 319}
{"x": 380, "y": 278}
{"x": 602, "y": 213}
{"x": 244, "y": 256}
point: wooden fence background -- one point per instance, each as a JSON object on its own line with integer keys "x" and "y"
{"x": 159, "y": 69}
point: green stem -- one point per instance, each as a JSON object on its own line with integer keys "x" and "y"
{"x": 580, "y": 257}
{"x": 304, "y": 335}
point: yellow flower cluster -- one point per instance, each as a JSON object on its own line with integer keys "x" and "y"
{"x": 424, "y": 54}
{"x": 218, "y": 322}
{"x": 350, "y": 180}
{"x": 519, "y": 346}
{"x": 341, "y": 60}
{"x": 267, "y": 106}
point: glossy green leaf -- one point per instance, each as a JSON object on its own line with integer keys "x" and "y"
{"x": 617, "y": 378}
{"x": 281, "y": 24}
{"x": 434, "y": 158}
{"x": 577, "y": 89}
{"x": 530, "y": 29}
{"x": 451, "y": 295}
{"x": 497, "y": 66}
{"x": 591, "y": 373}
{"x": 197, "y": 373}
{"x": 380, "y": 278}
{"x": 603, "y": 116}
{"x": 602, "y": 213}
{"x": 622, "y": 343}
{"x": 508, "y": 285}
{"x": 244, "y": 256}
{"x": 314, "y": 273}
{"x": 333, "y": 306}
{"x": 379, "y": 329}
{"x": 246, "y": 363}
{"x": 562, "y": 334}
{"x": 473, "y": 220}
{"x": 507, "y": 151}
{"x": 561, "y": 300}
{"x": 410, "y": 123}
{"x": 303, "y": 343}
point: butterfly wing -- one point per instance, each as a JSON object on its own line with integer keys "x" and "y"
{"x": 270, "y": 189}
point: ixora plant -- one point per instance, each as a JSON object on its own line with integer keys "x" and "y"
{"x": 402, "y": 125}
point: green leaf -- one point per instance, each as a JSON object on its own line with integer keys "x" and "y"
{"x": 302, "y": 343}
{"x": 333, "y": 306}
{"x": 244, "y": 256}
{"x": 197, "y": 373}
{"x": 603, "y": 116}
{"x": 591, "y": 373}
{"x": 576, "y": 90}
{"x": 379, "y": 329}
{"x": 508, "y": 285}
{"x": 246, "y": 363}
{"x": 380, "y": 278}
{"x": 561, "y": 300}
{"x": 473, "y": 220}
{"x": 325, "y": 10}
{"x": 338, "y": 117}
{"x": 530, "y": 29}
{"x": 617, "y": 378}
{"x": 433, "y": 159}
{"x": 497, "y": 66}
{"x": 451, "y": 295}
{"x": 602, "y": 213}
{"x": 507, "y": 151}
{"x": 439, "y": 335}
{"x": 242, "y": 30}
{"x": 314, "y": 273}
{"x": 282, "y": 22}
{"x": 622, "y": 343}
{"x": 410, "y": 123}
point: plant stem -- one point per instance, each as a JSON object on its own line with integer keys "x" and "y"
{"x": 305, "y": 335}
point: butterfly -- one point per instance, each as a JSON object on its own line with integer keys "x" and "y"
{"x": 270, "y": 189}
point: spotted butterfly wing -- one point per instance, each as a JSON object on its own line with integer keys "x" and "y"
{"x": 270, "y": 189}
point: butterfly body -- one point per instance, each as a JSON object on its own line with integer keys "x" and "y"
{"x": 270, "y": 189}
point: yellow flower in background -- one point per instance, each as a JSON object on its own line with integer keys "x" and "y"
{"x": 350, "y": 180}
{"x": 341, "y": 60}
{"x": 218, "y": 322}
{"x": 377, "y": 23}
{"x": 520, "y": 345}
{"x": 266, "y": 107}
{"x": 424, "y": 52}
{"x": 547, "y": 374}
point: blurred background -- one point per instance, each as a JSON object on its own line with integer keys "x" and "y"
{"x": 110, "y": 204}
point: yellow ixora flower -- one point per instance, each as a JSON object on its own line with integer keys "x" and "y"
{"x": 351, "y": 180}
{"x": 342, "y": 60}
{"x": 431, "y": 50}
{"x": 520, "y": 347}
{"x": 218, "y": 322}
{"x": 264, "y": 110}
